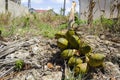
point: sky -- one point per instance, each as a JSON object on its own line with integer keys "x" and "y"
{"x": 56, "y": 5}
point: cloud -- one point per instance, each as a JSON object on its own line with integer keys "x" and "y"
{"x": 46, "y": 8}
{"x": 60, "y": 1}
{"x": 49, "y": 8}
{"x": 32, "y": 1}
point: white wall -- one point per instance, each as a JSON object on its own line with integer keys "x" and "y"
{"x": 15, "y": 9}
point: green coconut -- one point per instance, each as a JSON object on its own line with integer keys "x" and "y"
{"x": 74, "y": 41}
{"x": 85, "y": 48}
{"x": 67, "y": 53}
{"x": 62, "y": 43}
{"x": 74, "y": 61}
{"x": 69, "y": 33}
{"x": 81, "y": 68}
{"x": 60, "y": 34}
{"x": 96, "y": 60}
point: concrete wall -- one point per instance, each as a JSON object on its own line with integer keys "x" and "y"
{"x": 17, "y": 1}
{"x": 97, "y": 9}
{"x": 15, "y": 9}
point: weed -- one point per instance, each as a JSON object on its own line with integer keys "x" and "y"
{"x": 70, "y": 75}
{"x": 19, "y": 65}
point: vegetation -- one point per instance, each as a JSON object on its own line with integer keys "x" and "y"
{"x": 19, "y": 64}
{"x": 35, "y": 24}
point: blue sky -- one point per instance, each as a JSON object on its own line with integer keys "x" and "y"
{"x": 56, "y": 5}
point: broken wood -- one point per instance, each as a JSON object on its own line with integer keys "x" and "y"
{"x": 72, "y": 16}
{"x": 14, "y": 47}
{"x": 7, "y": 72}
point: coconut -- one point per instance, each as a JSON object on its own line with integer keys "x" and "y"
{"x": 69, "y": 33}
{"x": 62, "y": 43}
{"x": 96, "y": 60}
{"x": 74, "y": 61}
{"x": 75, "y": 41}
{"x": 60, "y": 34}
{"x": 81, "y": 68}
{"x": 85, "y": 48}
{"x": 66, "y": 54}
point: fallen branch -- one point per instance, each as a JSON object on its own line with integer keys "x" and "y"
{"x": 7, "y": 72}
{"x": 15, "y": 46}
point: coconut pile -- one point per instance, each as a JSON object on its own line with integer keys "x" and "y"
{"x": 78, "y": 53}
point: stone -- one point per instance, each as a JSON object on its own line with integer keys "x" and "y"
{"x": 50, "y": 65}
{"x": 35, "y": 49}
{"x": 30, "y": 77}
{"x": 112, "y": 69}
{"x": 53, "y": 76}
{"x": 58, "y": 68}
{"x": 21, "y": 54}
{"x": 102, "y": 36}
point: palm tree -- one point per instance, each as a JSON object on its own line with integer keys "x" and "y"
{"x": 64, "y": 7}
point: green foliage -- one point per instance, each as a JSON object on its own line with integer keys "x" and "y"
{"x": 79, "y": 21}
{"x": 111, "y": 25}
{"x": 96, "y": 21}
{"x": 35, "y": 24}
{"x": 107, "y": 23}
{"x": 9, "y": 31}
{"x": 47, "y": 30}
{"x": 19, "y": 65}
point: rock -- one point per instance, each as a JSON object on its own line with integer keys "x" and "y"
{"x": 36, "y": 74}
{"x": 102, "y": 36}
{"x": 30, "y": 77}
{"x": 36, "y": 49}
{"x": 53, "y": 76}
{"x": 116, "y": 59}
{"x": 111, "y": 69}
{"x": 58, "y": 68}
{"x": 32, "y": 74}
{"x": 50, "y": 65}
{"x": 21, "y": 54}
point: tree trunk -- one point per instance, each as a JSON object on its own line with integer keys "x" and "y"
{"x": 79, "y": 8}
{"x": 90, "y": 16}
{"x": 29, "y": 4}
{"x": 64, "y": 7}
{"x": 118, "y": 10}
{"x": 6, "y": 5}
